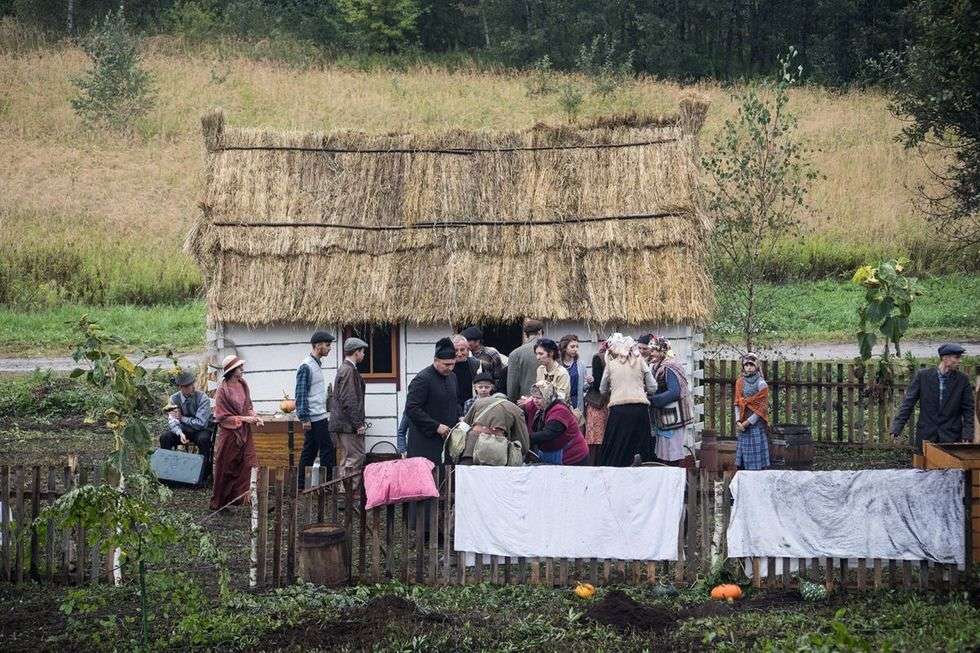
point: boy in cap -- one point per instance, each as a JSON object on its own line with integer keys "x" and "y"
{"x": 190, "y": 420}
{"x": 945, "y": 400}
{"x": 347, "y": 422}
{"x": 311, "y": 407}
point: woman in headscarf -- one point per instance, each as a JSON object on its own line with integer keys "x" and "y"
{"x": 235, "y": 456}
{"x": 627, "y": 380}
{"x": 670, "y": 403}
{"x": 596, "y": 405}
{"x": 553, "y": 427}
{"x": 752, "y": 411}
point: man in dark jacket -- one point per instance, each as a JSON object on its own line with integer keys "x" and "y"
{"x": 433, "y": 404}
{"x": 347, "y": 423}
{"x": 522, "y": 365}
{"x": 945, "y": 401}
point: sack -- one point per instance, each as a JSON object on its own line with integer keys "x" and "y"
{"x": 674, "y": 415}
{"x": 455, "y": 443}
{"x": 497, "y": 451}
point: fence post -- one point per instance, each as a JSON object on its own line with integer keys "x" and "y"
{"x": 253, "y": 570}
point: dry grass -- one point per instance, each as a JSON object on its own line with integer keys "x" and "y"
{"x": 90, "y": 187}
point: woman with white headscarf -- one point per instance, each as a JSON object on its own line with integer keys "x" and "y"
{"x": 627, "y": 381}
{"x": 553, "y": 427}
{"x": 671, "y": 404}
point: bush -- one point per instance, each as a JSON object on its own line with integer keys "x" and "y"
{"x": 116, "y": 91}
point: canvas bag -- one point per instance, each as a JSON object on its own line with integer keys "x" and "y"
{"x": 455, "y": 443}
{"x": 493, "y": 449}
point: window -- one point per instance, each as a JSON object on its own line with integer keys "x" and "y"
{"x": 380, "y": 363}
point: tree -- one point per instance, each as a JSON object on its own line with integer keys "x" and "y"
{"x": 384, "y": 25}
{"x": 116, "y": 91}
{"x": 936, "y": 85}
{"x": 758, "y": 180}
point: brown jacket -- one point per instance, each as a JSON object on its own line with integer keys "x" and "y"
{"x": 347, "y": 400}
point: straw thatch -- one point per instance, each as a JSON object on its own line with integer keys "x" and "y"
{"x": 459, "y": 226}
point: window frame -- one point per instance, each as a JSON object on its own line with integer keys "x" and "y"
{"x": 381, "y": 377}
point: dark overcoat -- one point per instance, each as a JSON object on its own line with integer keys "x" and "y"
{"x": 949, "y": 422}
{"x": 433, "y": 399}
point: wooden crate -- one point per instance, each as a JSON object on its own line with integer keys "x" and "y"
{"x": 961, "y": 455}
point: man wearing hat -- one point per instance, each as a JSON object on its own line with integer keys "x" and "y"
{"x": 945, "y": 400}
{"x": 311, "y": 407}
{"x": 189, "y": 422}
{"x": 489, "y": 358}
{"x": 347, "y": 423}
{"x": 432, "y": 404}
{"x": 522, "y": 364}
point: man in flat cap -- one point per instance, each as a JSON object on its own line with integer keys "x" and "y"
{"x": 522, "y": 365}
{"x": 311, "y": 407}
{"x": 489, "y": 358}
{"x": 347, "y": 423}
{"x": 432, "y": 404}
{"x": 189, "y": 422}
{"x": 945, "y": 401}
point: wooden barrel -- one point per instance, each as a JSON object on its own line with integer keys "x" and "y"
{"x": 726, "y": 455}
{"x": 709, "y": 451}
{"x": 777, "y": 451}
{"x": 324, "y": 555}
{"x": 799, "y": 444}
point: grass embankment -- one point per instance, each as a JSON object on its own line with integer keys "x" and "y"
{"x": 92, "y": 218}
{"x": 823, "y": 311}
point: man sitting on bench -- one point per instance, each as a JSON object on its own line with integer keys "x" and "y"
{"x": 190, "y": 421}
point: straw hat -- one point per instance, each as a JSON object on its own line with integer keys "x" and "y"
{"x": 229, "y": 363}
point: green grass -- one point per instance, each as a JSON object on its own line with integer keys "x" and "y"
{"x": 817, "y": 311}
{"x": 147, "y": 328}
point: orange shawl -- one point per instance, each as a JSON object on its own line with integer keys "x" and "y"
{"x": 757, "y": 403}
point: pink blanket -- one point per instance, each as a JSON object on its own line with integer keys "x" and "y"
{"x": 398, "y": 481}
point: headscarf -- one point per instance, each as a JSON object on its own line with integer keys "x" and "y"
{"x": 750, "y": 383}
{"x": 622, "y": 347}
{"x": 547, "y": 391}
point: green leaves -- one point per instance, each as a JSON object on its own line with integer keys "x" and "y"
{"x": 888, "y": 303}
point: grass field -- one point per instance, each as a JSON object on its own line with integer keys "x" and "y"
{"x": 94, "y": 218}
{"x": 821, "y": 311}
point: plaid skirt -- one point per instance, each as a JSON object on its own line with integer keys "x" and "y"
{"x": 752, "y": 449}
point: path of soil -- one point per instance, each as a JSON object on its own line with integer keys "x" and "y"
{"x": 618, "y": 610}
{"x": 360, "y": 628}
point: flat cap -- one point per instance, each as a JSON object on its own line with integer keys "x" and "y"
{"x": 472, "y": 333}
{"x": 951, "y": 349}
{"x": 352, "y": 344}
{"x": 483, "y": 377}
{"x": 321, "y": 336}
{"x": 184, "y": 378}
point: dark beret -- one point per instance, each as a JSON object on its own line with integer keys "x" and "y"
{"x": 445, "y": 350}
{"x": 321, "y": 336}
{"x": 472, "y": 333}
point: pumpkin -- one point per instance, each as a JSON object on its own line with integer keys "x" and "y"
{"x": 287, "y": 405}
{"x": 726, "y": 593}
{"x": 585, "y": 590}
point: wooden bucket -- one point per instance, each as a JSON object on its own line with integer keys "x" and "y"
{"x": 726, "y": 455}
{"x": 324, "y": 555}
{"x": 800, "y": 450}
{"x": 709, "y": 451}
{"x": 777, "y": 451}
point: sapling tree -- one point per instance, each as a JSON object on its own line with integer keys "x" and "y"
{"x": 758, "y": 178}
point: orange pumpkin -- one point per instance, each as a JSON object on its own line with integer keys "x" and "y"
{"x": 287, "y": 405}
{"x": 726, "y": 593}
{"x": 584, "y": 590}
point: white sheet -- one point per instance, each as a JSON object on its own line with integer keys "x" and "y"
{"x": 896, "y": 514}
{"x": 569, "y": 512}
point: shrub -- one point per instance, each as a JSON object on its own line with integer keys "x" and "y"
{"x": 116, "y": 91}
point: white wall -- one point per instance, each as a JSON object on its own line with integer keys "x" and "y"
{"x": 272, "y": 355}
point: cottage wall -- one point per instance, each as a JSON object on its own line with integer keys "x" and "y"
{"x": 272, "y": 354}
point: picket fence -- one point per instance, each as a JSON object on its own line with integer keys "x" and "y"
{"x": 390, "y": 542}
{"x": 838, "y": 401}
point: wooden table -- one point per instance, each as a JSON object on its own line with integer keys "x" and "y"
{"x": 961, "y": 455}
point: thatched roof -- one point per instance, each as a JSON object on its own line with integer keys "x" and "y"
{"x": 594, "y": 223}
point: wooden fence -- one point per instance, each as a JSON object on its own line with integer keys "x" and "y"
{"x": 414, "y": 543}
{"x": 63, "y": 556}
{"x": 838, "y": 401}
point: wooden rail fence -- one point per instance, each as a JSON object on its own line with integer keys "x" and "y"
{"x": 839, "y": 401}
{"x": 413, "y": 543}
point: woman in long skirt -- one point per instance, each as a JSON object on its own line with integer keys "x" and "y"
{"x": 752, "y": 406}
{"x": 235, "y": 456}
{"x": 596, "y": 405}
{"x": 628, "y": 381}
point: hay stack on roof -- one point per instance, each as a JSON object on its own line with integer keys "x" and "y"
{"x": 595, "y": 223}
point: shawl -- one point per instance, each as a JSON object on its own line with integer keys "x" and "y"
{"x": 757, "y": 403}
{"x": 660, "y": 374}
{"x": 233, "y": 401}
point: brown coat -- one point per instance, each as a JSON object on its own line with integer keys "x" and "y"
{"x": 347, "y": 400}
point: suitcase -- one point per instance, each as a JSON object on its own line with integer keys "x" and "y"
{"x": 178, "y": 467}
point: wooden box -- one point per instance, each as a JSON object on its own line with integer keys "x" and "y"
{"x": 279, "y": 441}
{"x": 965, "y": 455}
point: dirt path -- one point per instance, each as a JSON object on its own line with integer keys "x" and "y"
{"x": 66, "y": 364}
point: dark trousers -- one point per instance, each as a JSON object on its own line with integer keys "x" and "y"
{"x": 317, "y": 441}
{"x": 200, "y": 439}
